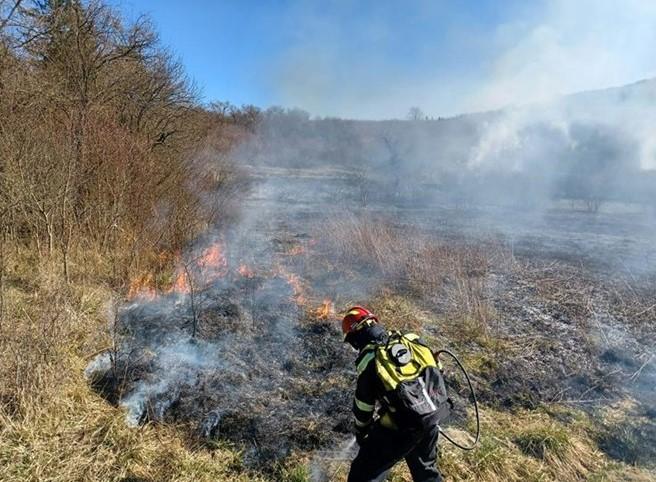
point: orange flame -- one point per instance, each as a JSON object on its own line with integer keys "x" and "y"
{"x": 143, "y": 287}
{"x": 245, "y": 271}
{"x": 326, "y": 310}
{"x": 181, "y": 283}
{"x": 214, "y": 260}
{"x": 209, "y": 266}
{"x": 295, "y": 282}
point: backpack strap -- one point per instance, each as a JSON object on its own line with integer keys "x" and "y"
{"x": 364, "y": 358}
{"x": 391, "y": 336}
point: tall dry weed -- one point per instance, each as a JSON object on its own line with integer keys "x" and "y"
{"x": 448, "y": 278}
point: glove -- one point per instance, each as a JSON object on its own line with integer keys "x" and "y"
{"x": 361, "y": 437}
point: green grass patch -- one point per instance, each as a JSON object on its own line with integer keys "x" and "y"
{"x": 544, "y": 441}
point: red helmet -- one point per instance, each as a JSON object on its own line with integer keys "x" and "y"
{"x": 354, "y": 319}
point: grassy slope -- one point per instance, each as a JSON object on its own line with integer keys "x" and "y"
{"x": 53, "y": 426}
{"x": 554, "y": 442}
{"x": 60, "y": 430}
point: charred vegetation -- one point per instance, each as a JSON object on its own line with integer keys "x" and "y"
{"x": 172, "y": 273}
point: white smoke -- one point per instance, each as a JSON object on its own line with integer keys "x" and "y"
{"x": 326, "y": 464}
{"x": 567, "y": 47}
{"x": 342, "y": 63}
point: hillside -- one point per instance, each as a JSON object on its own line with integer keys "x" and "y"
{"x": 590, "y": 147}
{"x": 173, "y": 274}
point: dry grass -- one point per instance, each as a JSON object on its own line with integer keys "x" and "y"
{"x": 361, "y": 242}
{"x": 530, "y": 446}
{"x": 400, "y": 312}
{"x": 524, "y": 446}
{"x": 446, "y": 291}
{"x": 78, "y": 437}
{"x": 53, "y": 427}
{"x": 449, "y": 278}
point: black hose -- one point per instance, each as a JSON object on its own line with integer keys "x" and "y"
{"x": 471, "y": 388}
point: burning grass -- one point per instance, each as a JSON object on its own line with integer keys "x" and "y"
{"x": 53, "y": 427}
{"x": 240, "y": 356}
{"x": 277, "y": 410}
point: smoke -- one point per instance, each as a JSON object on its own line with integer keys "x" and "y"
{"x": 534, "y": 149}
{"x": 242, "y": 356}
{"x": 234, "y": 348}
{"x": 567, "y": 180}
{"x": 569, "y": 47}
{"x": 327, "y": 463}
{"x": 175, "y": 364}
{"x": 375, "y": 61}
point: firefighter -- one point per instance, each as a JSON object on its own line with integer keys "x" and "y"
{"x": 384, "y": 437}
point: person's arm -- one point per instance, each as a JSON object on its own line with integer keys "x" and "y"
{"x": 364, "y": 402}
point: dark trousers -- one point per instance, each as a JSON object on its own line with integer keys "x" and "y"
{"x": 384, "y": 447}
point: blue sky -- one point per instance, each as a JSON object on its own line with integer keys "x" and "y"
{"x": 375, "y": 59}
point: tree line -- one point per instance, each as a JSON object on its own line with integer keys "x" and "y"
{"x": 104, "y": 145}
{"x": 465, "y": 160}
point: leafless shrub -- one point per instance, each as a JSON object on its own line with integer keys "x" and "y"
{"x": 450, "y": 278}
{"x": 119, "y": 158}
{"x": 364, "y": 243}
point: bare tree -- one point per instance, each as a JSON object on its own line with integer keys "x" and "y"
{"x": 415, "y": 114}
{"x": 7, "y": 11}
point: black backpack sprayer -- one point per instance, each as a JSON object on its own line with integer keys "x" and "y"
{"x": 412, "y": 376}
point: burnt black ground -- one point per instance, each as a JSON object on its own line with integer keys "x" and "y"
{"x": 265, "y": 373}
